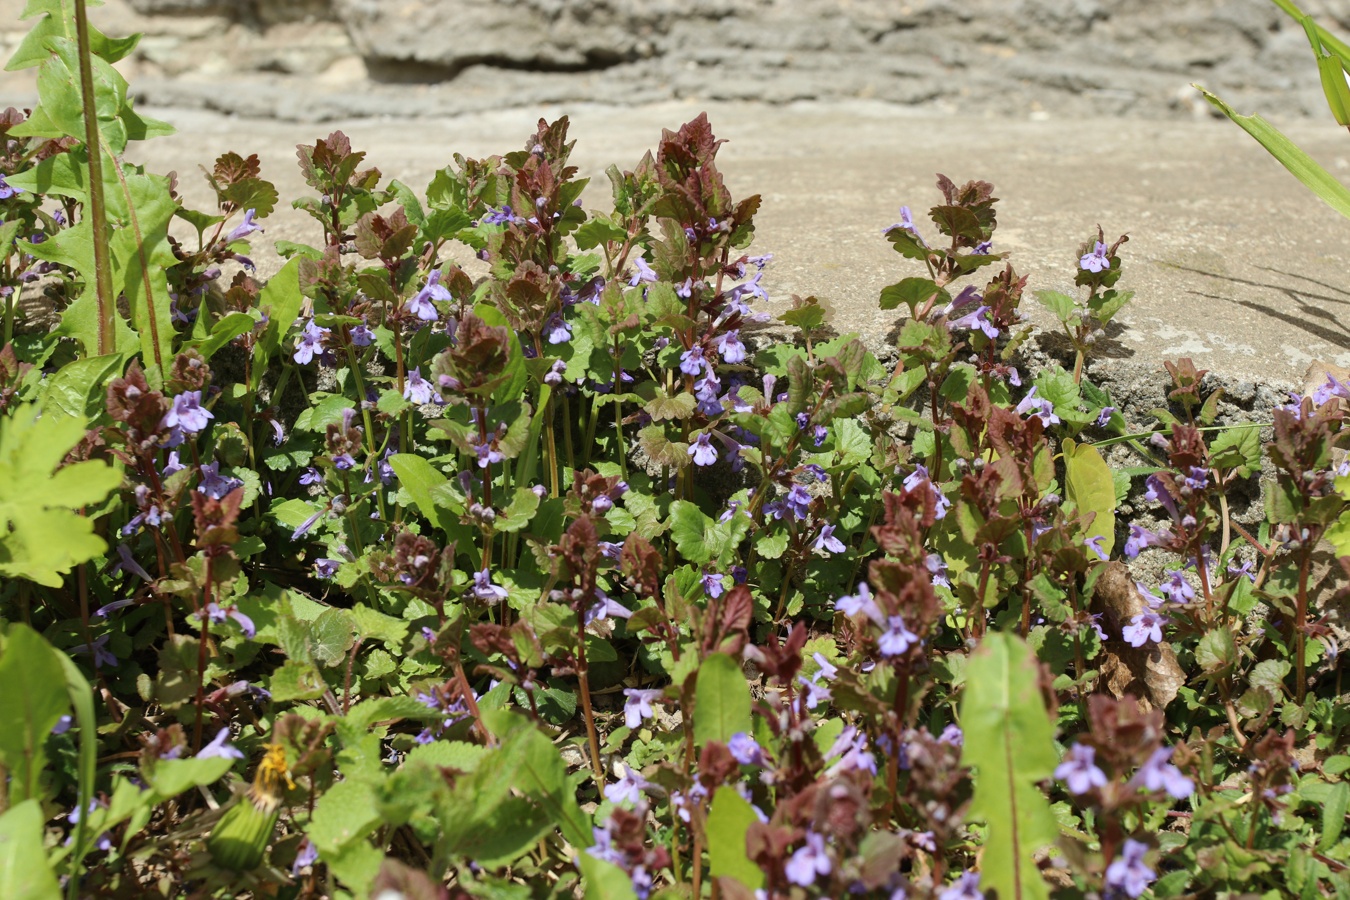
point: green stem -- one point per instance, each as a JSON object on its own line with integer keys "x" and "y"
{"x": 97, "y": 208}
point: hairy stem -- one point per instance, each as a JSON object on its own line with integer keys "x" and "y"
{"x": 98, "y": 215}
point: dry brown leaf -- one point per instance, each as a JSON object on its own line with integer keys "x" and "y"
{"x": 1151, "y": 672}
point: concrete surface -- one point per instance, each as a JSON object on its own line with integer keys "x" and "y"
{"x": 1233, "y": 262}
{"x": 313, "y": 60}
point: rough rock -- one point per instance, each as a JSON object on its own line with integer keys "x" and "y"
{"x": 327, "y": 59}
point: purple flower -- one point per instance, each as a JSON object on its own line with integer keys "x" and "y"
{"x": 311, "y": 475}
{"x": 504, "y": 216}
{"x": 907, "y": 223}
{"x": 102, "y": 611}
{"x": 745, "y": 750}
{"x": 220, "y": 747}
{"x": 604, "y": 848}
{"x": 310, "y": 343}
{"x": 553, "y": 377}
{"x": 937, "y": 568}
{"x": 218, "y": 614}
{"x": 1248, "y": 568}
{"x": 187, "y": 413}
{"x": 1145, "y": 628}
{"x": 827, "y": 670}
{"x": 99, "y": 648}
{"x": 1158, "y": 774}
{"x": 1127, "y": 875}
{"x": 627, "y": 789}
{"x": 1094, "y": 543}
{"x": 730, "y": 348}
{"x": 967, "y": 887}
{"x": 305, "y": 857}
{"x": 62, "y": 724}
{"x": 637, "y": 705}
{"x": 1096, "y": 261}
{"x": 423, "y": 303}
{"x": 861, "y": 602}
{"x": 1079, "y": 770}
{"x": 702, "y": 450}
{"x": 712, "y": 584}
{"x": 920, "y": 478}
{"x": 362, "y": 336}
{"x": 851, "y": 748}
{"x": 417, "y": 389}
{"x": 1039, "y": 407}
{"x": 952, "y": 735}
{"x": 244, "y": 228}
{"x": 1157, "y": 492}
{"x": 484, "y": 589}
{"x": 692, "y": 361}
{"x": 896, "y": 639}
{"x": 828, "y": 542}
{"x": 326, "y": 568}
{"x": 1139, "y": 540}
{"x": 798, "y": 501}
{"x": 982, "y": 248}
{"x": 604, "y": 607}
{"x": 1177, "y": 589}
{"x": 306, "y": 525}
{"x": 977, "y": 320}
{"x": 809, "y": 862}
{"x": 6, "y": 191}
{"x": 343, "y": 462}
{"x": 816, "y": 693}
{"x": 644, "y": 274}
{"x": 215, "y": 485}
{"x": 1105, "y": 417}
{"x": 557, "y": 331}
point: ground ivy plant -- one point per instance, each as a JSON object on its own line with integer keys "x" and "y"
{"x": 500, "y": 546}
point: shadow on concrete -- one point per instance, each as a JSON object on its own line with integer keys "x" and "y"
{"x": 1334, "y": 332}
{"x": 1338, "y": 337}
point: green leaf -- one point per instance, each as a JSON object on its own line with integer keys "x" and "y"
{"x": 345, "y": 813}
{"x": 1010, "y": 743}
{"x": 729, "y": 818}
{"x": 690, "y": 528}
{"x": 1237, "y": 448}
{"x": 1062, "y": 305}
{"x": 521, "y": 510}
{"x": 1090, "y": 486}
{"x": 604, "y": 880}
{"x": 1300, "y": 164}
{"x": 1216, "y": 650}
{"x": 280, "y": 299}
{"x": 721, "y": 700}
{"x": 1333, "y": 816}
{"x": 331, "y": 635}
{"x": 222, "y": 332}
{"x": 25, "y": 873}
{"x": 172, "y": 777}
{"x": 296, "y": 681}
{"x": 40, "y": 536}
{"x": 33, "y": 699}
{"x": 77, "y": 388}
{"x": 418, "y": 477}
{"x": 912, "y": 292}
{"x": 596, "y": 232}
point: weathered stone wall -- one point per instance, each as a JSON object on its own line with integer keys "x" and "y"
{"x": 322, "y": 58}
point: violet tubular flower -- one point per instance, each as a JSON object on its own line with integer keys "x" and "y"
{"x": 827, "y": 542}
{"x": 417, "y": 389}
{"x": 244, "y": 228}
{"x": 1096, "y": 261}
{"x": 220, "y": 748}
{"x": 423, "y": 303}
{"x": 310, "y": 343}
{"x": 896, "y": 639}
{"x": 1128, "y": 876}
{"x": 1038, "y": 407}
{"x": 1079, "y": 770}
{"x": 187, "y": 413}
{"x": 745, "y": 749}
{"x": 637, "y": 705}
{"x": 702, "y": 450}
{"x": 627, "y": 789}
{"x": 1158, "y": 774}
{"x": 967, "y": 887}
{"x": 809, "y": 862}
{"x": 1145, "y": 628}
{"x": 484, "y": 589}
